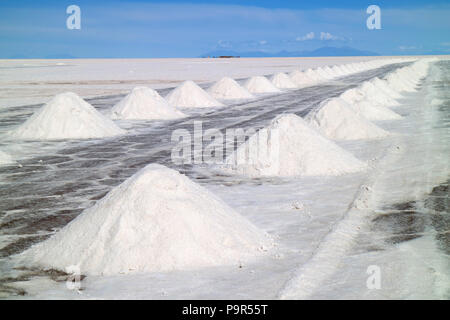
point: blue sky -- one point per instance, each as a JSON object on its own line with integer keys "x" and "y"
{"x": 138, "y": 29}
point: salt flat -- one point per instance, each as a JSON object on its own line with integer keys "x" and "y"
{"x": 35, "y": 81}
{"x": 327, "y": 229}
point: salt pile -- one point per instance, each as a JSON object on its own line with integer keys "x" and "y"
{"x": 377, "y": 95}
{"x": 337, "y": 71}
{"x": 144, "y": 103}
{"x": 66, "y": 116}
{"x": 157, "y": 220}
{"x": 356, "y": 67}
{"x": 345, "y": 69}
{"x": 353, "y": 95}
{"x": 329, "y": 71}
{"x": 407, "y": 78}
{"x": 290, "y": 147}
{"x": 313, "y": 75}
{"x": 324, "y": 74}
{"x": 301, "y": 79}
{"x": 399, "y": 83}
{"x": 228, "y": 89}
{"x": 260, "y": 84}
{"x": 365, "y": 65}
{"x": 337, "y": 120}
{"x": 351, "y": 68}
{"x": 374, "y": 112}
{"x": 281, "y": 80}
{"x": 383, "y": 85}
{"x": 190, "y": 95}
{"x": 5, "y": 158}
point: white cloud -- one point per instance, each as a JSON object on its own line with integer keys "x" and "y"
{"x": 224, "y": 44}
{"x": 308, "y": 36}
{"x": 327, "y": 36}
{"x": 262, "y": 42}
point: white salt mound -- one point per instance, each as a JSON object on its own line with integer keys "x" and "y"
{"x": 329, "y": 71}
{"x": 66, "y": 116}
{"x": 228, "y": 89}
{"x": 5, "y": 158}
{"x": 374, "y": 112}
{"x": 293, "y": 149}
{"x": 301, "y": 79}
{"x": 144, "y": 103}
{"x": 260, "y": 84}
{"x": 323, "y": 73}
{"x": 190, "y": 95}
{"x": 337, "y": 71}
{"x": 377, "y": 95}
{"x": 345, "y": 69}
{"x": 337, "y": 120}
{"x": 353, "y": 95}
{"x": 399, "y": 83}
{"x": 383, "y": 85}
{"x": 314, "y": 75}
{"x": 281, "y": 80}
{"x": 353, "y": 68}
{"x": 157, "y": 220}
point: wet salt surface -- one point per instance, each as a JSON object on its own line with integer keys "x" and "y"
{"x": 410, "y": 243}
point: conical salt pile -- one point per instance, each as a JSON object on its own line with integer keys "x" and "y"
{"x": 323, "y": 73}
{"x": 338, "y": 72}
{"x": 314, "y": 75}
{"x": 337, "y": 120}
{"x": 228, "y": 89}
{"x": 260, "y": 84}
{"x": 353, "y": 68}
{"x": 66, "y": 116}
{"x": 374, "y": 112}
{"x": 353, "y": 95}
{"x": 157, "y": 220}
{"x": 345, "y": 69}
{"x": 383, "y": 85}
{"x": 400, "y": 83}
{"x": 301, "y": 79}
{"x": 290, "y": 147}
{"x": 377, "y": 95}
{"x": 281, "y": 80}
{"x": 329, "y": 71}
{"x": 144, "y": 103}
{"x": 190, "y": 95}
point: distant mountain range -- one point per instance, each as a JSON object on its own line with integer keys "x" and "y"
{"x": 320, "y": 52}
